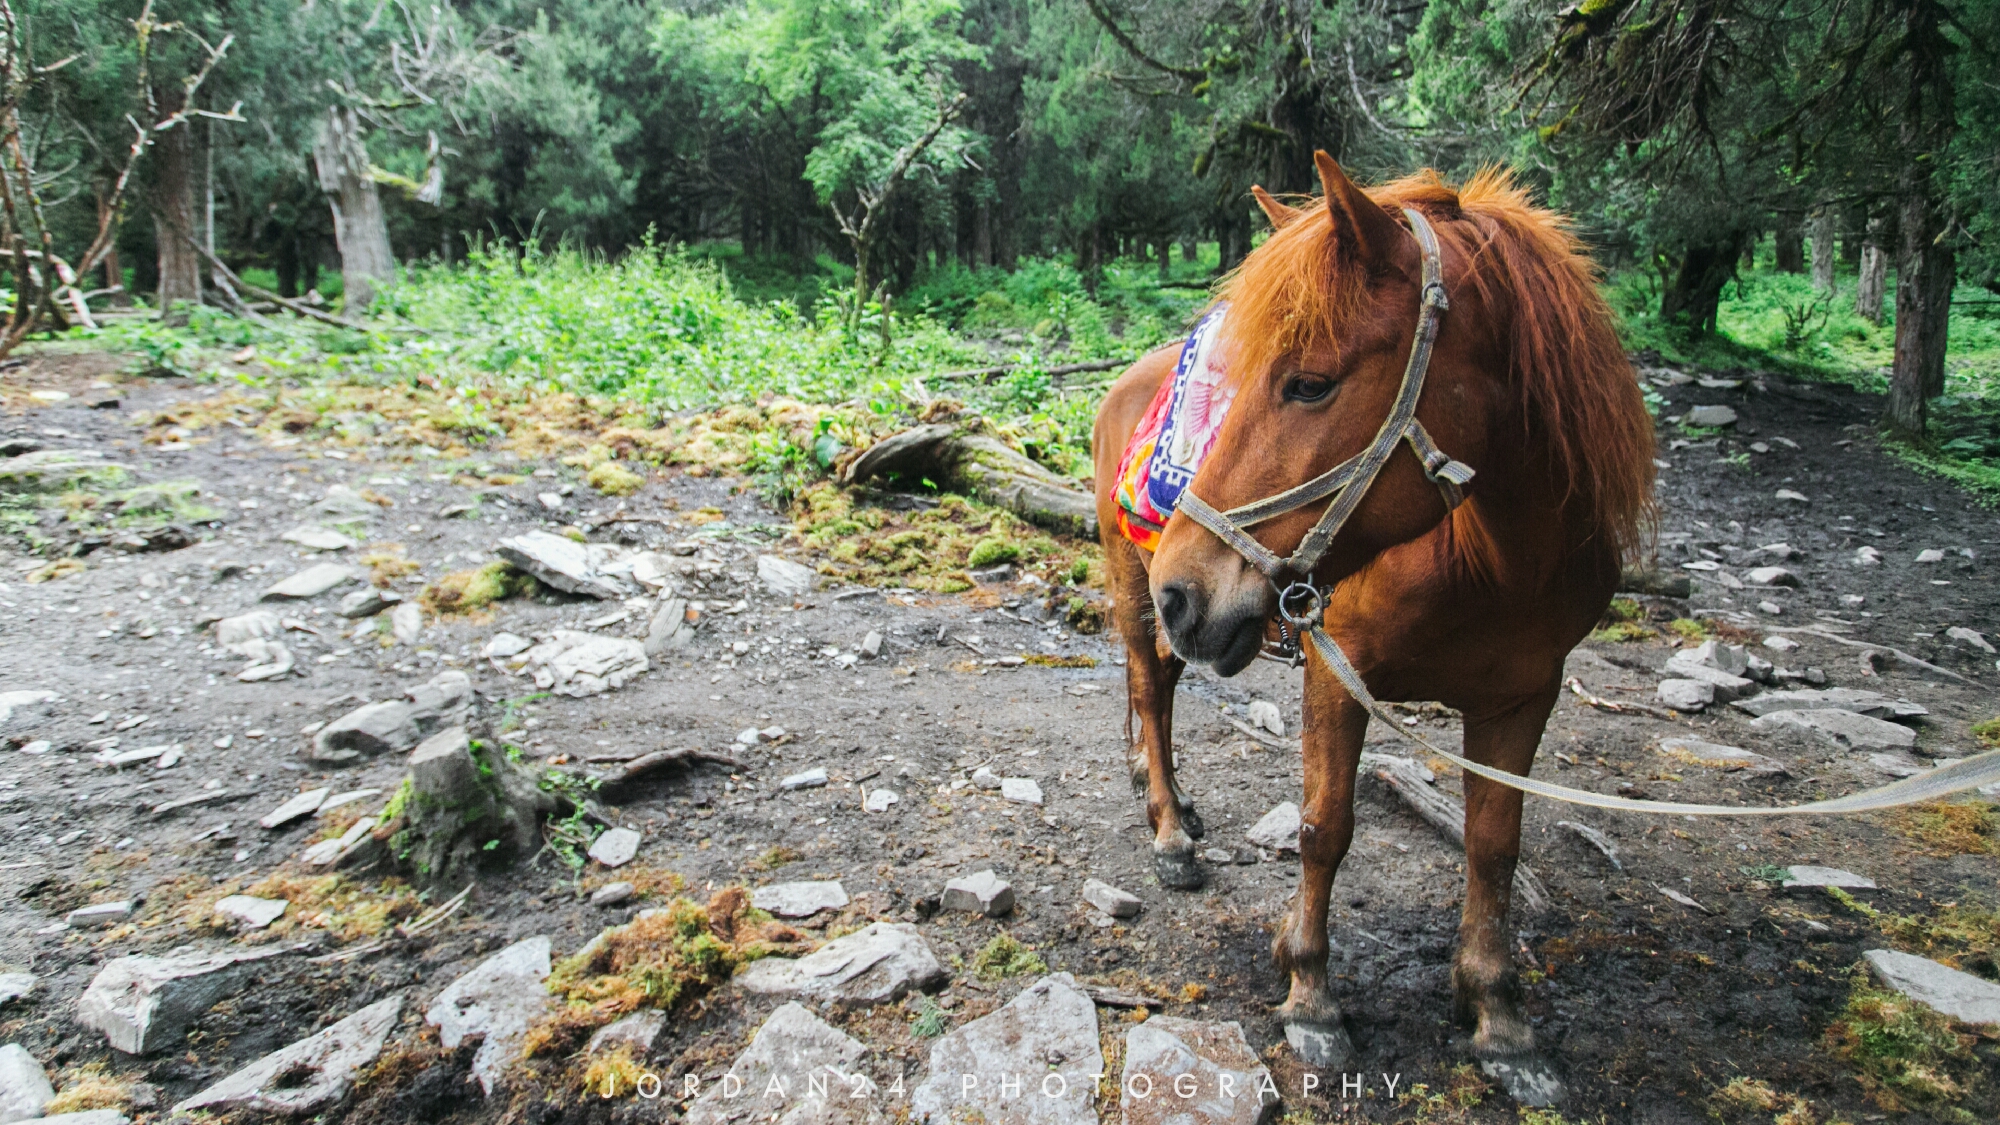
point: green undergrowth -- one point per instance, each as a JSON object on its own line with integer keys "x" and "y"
{"x": 1906, "y": 1056}
{"x": 1963, "y": 935}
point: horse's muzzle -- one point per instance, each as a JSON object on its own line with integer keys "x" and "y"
{"x": 1223, "y": 632}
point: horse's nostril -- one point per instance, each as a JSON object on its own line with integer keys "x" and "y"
{"x": 1176, "y": 607}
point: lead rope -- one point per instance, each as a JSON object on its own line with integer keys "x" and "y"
{"x": 1302, "y": 606}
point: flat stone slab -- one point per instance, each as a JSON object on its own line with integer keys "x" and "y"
{"x": 1021, "y": 790}
{"x": 576, "y": 568}
{"x": 303, "y": 805}
{"x": 813, "y": 778}
{"x": 1870, "y": 703}
{"x": 13, "y": 986}
{"x": 24, "y": 1085}
{"x": 98, "y": 914}
{"x": 142, "y": 1003}
{"x": 1842, "y": 728}
{"x": 799, "y": 900}
{"x": 1111, "y": 900}
{"x": 1804, "y": 876}
{"x": 1189, "y": 1072}
{"x": 1715, "y": 756}
{"x": 496, "y": 1003}
{"x": 309, "y": 1075}
{"x": 1712, "y": 417}
{"x": 616, "y": 847}
{"x": 1033, "y": 1062}
{"x": 310, "y": 582}
{"x": 317, "y": 539}
{"x": 784, "y": 577}
{"x": 636, "y": 1033}
{"x": 395, "y": 725}
{"x": 981, "y": 892}
{"x": 798, "y": 1070}
{"x": 86, "y": 1117}
{"x": 1278, "y": 829}
{"x": 367, "y": 602}
{"x": 1961, "y": 996}
{"x": 877, "y": 965}
{"x": 250, "y": 912}
{"x": 233, "y": 633}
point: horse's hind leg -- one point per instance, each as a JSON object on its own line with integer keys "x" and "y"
{"x": 1486, "y": 989}
{"x": 1150, "y": 676}
{"x": 1334, "y": 728}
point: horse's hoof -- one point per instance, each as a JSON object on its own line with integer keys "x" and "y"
{"x": 1191, "y": 822}
{"x": 1177, "y": 870}
{"x": 1322, "y": 1045}
{"x": 1527, "y": 1078}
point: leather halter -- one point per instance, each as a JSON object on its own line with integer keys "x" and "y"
{"x": 1300, "y": 602}
{"x": 1302, "y": 606}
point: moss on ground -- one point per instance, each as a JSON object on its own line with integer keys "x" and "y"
{"x": 1905, "y": 1055}
{"x": 929, "y": 549}
{"x": 1949, "y": 828}
{"x": 1005, "y": 957}
{"x": 468, "y": 590}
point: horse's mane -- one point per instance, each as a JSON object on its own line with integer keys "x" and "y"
{"x": 1578, "y": 394}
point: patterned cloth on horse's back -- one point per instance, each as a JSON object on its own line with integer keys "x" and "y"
{"x": 1176, "y": 433}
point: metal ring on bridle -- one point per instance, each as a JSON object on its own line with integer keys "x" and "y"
{"x": 1315, "y": 605}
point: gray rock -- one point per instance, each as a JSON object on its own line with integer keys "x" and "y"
{"x": 784, "y": 577}
{"x": 310, "y": 583}
{"x": 879, "y": 800}
{"x": 367, "y": 602}
{"x": 1033, "y": 1062}
{"x": 249, "y": 912}
{"x": 798, "y": 1070}
{"x": 143, "y": 1003}
{"x": 1711, "y": 417}
{"x": 303, "y": 805}
{"x": 1194, "y": 1073}
{"x": 1803, "y": 876}
{"x": 1715, "y": 756}
{"x": 1021, "y": 790}
{"x": 982, "y": 892}
{"x": 495, "y": 1003}
{"x": 406, "y": 623}
{"x": 24, "y": 1085}
{"x": 232, "y": 634}
{"x": 1842, "y": 728}
{"x": 670, "y": 630}
{"x": 799, "y": 900}
{"x": 1772, "y": 576}
{"x": 1278, "y": 829}
{"x": 577, "y": 568}
{"x": 1930, "y": 555}
{"x": 98, "y": 914}
{"x": 1685, "y": 695}
{"x": 315, "y": 538}
{"x": 13, "y": 986}
{"x": 985, "y": 778}
{"x": 1111, "y": 900}
{"x": 343, "y": 501}
{"x": 1265, "y": 714}
{"x": 813, "y": 778}
{"x": 12, "y": 699}
{"x": 310, "y": 1075}
{"x": 393, "y": 726}
{"x": 269, "y": 660}
{"x": 1860, "y": 702}
{"x": 579, "y": 664}
{"x": 871, "y": 645}
{"x": 1897, "y": 763}
{"x": 615, "y": 847}
{"x": 878, "y": 965}
{"x": 86, "y": 1117}
{"x": 1971, "y": 637}
{"x": 1710, "y": 654}
{"x": 636, "y": 1033}
{"x": 613, "y": 894}
{"x": 503, "y": 645}
{"x": 348, "y": 845}
{"x": 1961, "y": 996}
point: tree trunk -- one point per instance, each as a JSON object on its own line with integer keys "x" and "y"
{"x": 1166, "y": 261}
{"x": 1872, "y": 279}
{"x": 360, "y": 228}
{"x": 1926, "y": 268}
{"x": 1696, "y": 293}
{"x": 286, "y": 261}
{"x": 1789, "y": 247}
{"x": 174, "y": 212}
{"x": 1824, "y": 228}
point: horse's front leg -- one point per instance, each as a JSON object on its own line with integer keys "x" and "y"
{"x": 1150, "y": 677}
{"x": 1485, "y": 986}
{"x": 1334, "y": 727}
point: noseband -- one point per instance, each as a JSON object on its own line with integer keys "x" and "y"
{"x": 1300, "y": 603}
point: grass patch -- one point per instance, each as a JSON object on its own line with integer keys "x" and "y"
{"x": 1951, "y": 828}
{"x": 612, "y": 479}
{"x": 1905, "y": 1055}
{"x": 1690, "y": 630}
{"x": 386, "y": 563}
{"x": 1622, "y": 632}
{"x": 1463, "y": 1091}
{"x": 773, "y": 858}
{"x": 664, "y": 960}
{"x": 87, "y": 1087}
{"x": 613, "y": 1074}
{"x": 468, "y": 590}
{"x": 929, "y": 1020}
{"x": 1965, "y": 936}
{"x": 990, "y": 551}
{"x": 1005, "y": 957}
{"x": 1988, "y": 732}
{"x": 345, "y": 908}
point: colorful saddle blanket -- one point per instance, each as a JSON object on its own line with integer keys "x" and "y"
{"x": 1175, "y": 435}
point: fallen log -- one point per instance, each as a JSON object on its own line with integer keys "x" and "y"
{"x": 989, "y": 373}
{"x": 660, "y": 759}
{"x": 1408, "y": 779}
{"x": 981, "y": 466}
{"x": 1655, "y": 582}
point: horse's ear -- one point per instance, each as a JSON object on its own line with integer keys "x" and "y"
{"x": 1277, "y": 212}
{"x": 1359, "y": 222}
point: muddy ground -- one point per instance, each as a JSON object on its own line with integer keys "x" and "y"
{"x": 1647, "y": 1006}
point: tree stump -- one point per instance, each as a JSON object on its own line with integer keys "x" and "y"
{"x": 981, "y": 466}
{"x": 461, "y": 807}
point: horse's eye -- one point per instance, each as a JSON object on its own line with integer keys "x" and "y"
{"x": 1308, "y": 388}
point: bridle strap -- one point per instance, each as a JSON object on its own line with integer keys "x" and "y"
{"x": 1348, "y": 482}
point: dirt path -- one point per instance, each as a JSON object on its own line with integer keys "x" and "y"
{"x": 1648, "y": 1006}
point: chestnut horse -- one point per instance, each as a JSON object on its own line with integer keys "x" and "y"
{"x": 1474, "y": 606}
